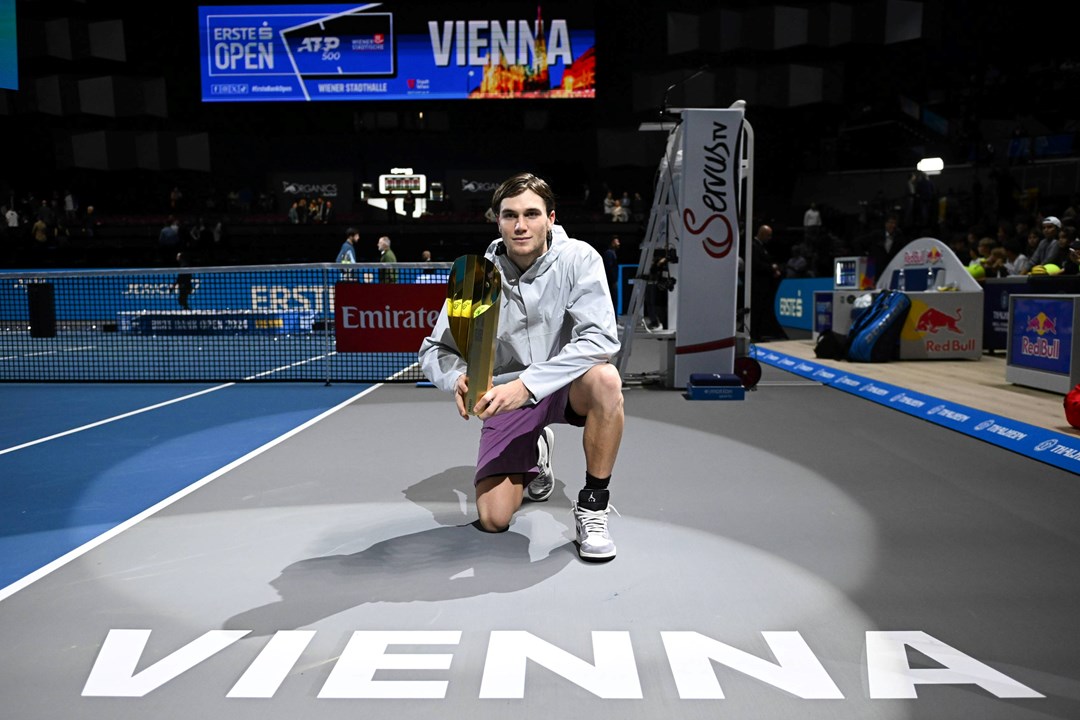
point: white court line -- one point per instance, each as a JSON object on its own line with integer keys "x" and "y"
{"x": 49, "y": 352}
{"x": 292, "y": 365}
{"x": 113, "y": 419}
{"x": 180, "y": 494}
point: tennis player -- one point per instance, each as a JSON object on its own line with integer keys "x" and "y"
{"x": 557, "y": 335}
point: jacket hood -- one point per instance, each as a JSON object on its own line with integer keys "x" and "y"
{"x": 559, "y": 239}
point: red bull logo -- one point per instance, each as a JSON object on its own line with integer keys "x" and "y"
{"x": 1040, "y": 348}
{"x": 933, "y": 320}
{"x": 921, "y": 256}
{"x": 1041, "y": 325}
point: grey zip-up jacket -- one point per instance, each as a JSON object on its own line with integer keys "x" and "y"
{"x": 555, "y": 321}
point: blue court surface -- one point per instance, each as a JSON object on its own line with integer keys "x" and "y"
{"x": 80, "y": 459}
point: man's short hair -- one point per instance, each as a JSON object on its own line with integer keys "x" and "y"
{"x": 351, "y": 231}
{"x": 514, "y": 186}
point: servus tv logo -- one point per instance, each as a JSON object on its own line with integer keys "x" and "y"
{"x": 1041, "y": 346}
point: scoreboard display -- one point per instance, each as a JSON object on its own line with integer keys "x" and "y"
{"x": 402, "y": 184}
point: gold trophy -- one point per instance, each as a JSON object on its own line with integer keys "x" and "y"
{"x": 472, "y": 305}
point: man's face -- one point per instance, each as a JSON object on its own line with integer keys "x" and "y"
{"x": 1050, "y": 230}
{"x": 524, "y": 225}
{"x": 382, "y": 245}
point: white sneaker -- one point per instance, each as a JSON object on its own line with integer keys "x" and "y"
{"x": 540, "y": 488}
{"x": 594, "y": 541}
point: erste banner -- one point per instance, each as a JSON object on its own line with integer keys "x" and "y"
{"x": 396, "y": 51}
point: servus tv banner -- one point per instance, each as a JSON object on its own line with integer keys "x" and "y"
{"x": 396, "y": 51}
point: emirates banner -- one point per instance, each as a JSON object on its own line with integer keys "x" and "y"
{"x": 708, "y": 228}
{"x": 382, "y": 317}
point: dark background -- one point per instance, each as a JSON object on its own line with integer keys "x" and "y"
{"x": 825, "y": 84}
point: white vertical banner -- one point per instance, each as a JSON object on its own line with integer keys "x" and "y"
{"x": 708, "y": 230}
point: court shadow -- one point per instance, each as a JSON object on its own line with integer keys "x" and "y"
{"x": 456, "y": 560}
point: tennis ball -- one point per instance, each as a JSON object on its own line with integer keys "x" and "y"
{"x": 1052, "y": 269}
{"x": 977, "y": 271}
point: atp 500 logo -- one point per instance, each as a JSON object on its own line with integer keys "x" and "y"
{"x": 319, "y": 44}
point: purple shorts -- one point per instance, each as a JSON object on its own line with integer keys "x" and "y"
{"x": 508, "y": 440}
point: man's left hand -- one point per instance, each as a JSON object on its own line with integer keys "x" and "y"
{"x": 502, "y": 398}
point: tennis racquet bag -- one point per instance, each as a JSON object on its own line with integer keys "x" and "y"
{"x": 875, "y": 335}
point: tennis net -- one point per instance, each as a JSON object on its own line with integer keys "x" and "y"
{"x": 311, "y": 322}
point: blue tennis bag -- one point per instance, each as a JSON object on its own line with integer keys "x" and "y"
{"x": 875, "y": 334}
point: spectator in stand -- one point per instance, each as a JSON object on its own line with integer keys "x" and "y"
{"x": 811, "y": 224}
{"x": 609, "y": 204}
{"x": 195, "y": 235}
{"x": 40, "y": 233}
{"x": 619, "y": 213}
{"x": 983, "y": 250}
{"x": 638, "y": 215}
{"x": 959, "y": 244}
{"x": 1049, "y": 251}
{"x": 11, "y": 221}
{"x": 45, "y": 214}
{"x": 71, "y": 208}
{"x": 1066, "y": 239}
{"x": 1016, "y": 262}
{"x": 1034, "y": 237}
{"x": 1072, "y": 263}
{"x": 881, "y": 246}
{"x": 800, "y": 263}
{"x": 315, "y": 211}
{"x": 996, "y": 263}
{"x": 294, "y": 214}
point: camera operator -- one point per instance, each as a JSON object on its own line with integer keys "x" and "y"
{"x": 658, "y": 284}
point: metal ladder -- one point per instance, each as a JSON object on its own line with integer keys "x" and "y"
{"x": 656, "y": 236}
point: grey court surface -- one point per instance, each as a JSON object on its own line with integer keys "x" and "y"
{"x": 799, "y": 554}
